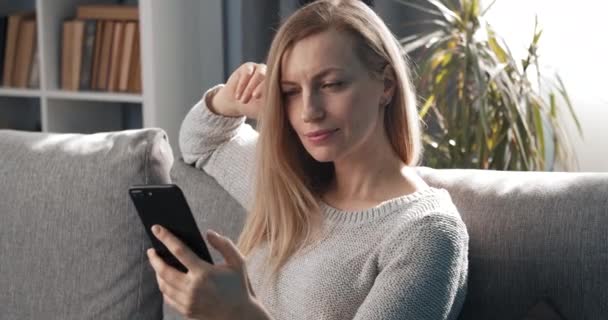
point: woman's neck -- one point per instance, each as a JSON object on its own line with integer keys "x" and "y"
{"x": 357, "y": 188}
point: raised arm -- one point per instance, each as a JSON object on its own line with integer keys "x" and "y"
{"x": 215, "y": 138}
{"x": 422, "y": 274}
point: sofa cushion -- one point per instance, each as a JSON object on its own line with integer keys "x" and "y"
{"x": 71, "y": 243}
{"x": 532, "y": 235}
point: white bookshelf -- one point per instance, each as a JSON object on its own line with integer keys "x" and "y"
{"x": 181, "y": 53}
{"x": 19, "y": 92}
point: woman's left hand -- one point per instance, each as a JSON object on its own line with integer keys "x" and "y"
{"x": 206, "y": 291}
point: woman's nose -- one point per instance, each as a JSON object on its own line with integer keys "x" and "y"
{"x": 312, "y": 110}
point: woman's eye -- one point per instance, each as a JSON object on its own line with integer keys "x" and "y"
{"x": 332, "y": 84}
{"x": 289, "y": 93}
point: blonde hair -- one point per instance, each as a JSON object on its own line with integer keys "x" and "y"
{"x": 286, "y": 212}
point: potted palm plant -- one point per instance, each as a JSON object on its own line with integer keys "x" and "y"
{"x": 480, "y": 105}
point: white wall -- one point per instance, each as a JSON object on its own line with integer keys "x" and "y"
{"x": 573, "y": 44}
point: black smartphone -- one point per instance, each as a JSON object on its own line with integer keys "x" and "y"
{"x": 165, "y": 204}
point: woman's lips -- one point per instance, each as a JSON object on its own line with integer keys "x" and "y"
{"x": 321, "y": 137}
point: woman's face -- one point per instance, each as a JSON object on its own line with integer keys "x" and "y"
{"x": 325, "y": 87}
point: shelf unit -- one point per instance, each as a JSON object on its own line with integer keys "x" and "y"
{"x": 181, "y": 53}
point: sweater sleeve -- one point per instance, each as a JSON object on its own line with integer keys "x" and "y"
{"x": 224, "y": 147}
{"x": 423, "y": 274}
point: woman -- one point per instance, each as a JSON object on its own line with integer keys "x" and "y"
{"x": 339, "y": 224}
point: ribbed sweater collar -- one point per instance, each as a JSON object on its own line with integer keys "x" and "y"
{"x": 336, "y": 215}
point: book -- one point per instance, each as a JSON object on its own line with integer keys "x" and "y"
{"x": 34, "y": 76}
{"x": 107, "y": 12}
{"x": 134, "y": 83}
{"x": 117, "y": 47}
{"x": 105, "y": 55}
{"x": 77, "y": 50}
{"x": 87, "y": 54}
{"x": 66, "y": 52}
{"x": 96, "y": 55}
{"x": 127, "y": 55}
{"x": 3, "y": 25}
{"x": 26, "y": 43}
{"x": 10, "y": 49}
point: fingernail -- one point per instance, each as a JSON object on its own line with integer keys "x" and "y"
{"x": 156, "y": 229}
{"x": 213, "y": 233}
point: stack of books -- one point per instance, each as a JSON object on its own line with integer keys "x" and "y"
{"x": 18, "y": 51}
{"x": 100, "y": 49}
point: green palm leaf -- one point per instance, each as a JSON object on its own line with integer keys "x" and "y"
{"x": 480, "y": 107}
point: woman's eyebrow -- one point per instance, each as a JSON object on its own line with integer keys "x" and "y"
{"x": 325, "y": 71}
{"x": 320, "y": 74}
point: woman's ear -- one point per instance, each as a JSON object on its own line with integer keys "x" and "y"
{"x": 388, "y": 76}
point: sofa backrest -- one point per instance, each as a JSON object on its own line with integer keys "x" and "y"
{"x": 71, "y": 243}
{"x": 534, "y": 237}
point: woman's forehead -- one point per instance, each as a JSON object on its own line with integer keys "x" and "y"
{"x": 316, "y": 53}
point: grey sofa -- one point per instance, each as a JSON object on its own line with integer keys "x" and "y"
{"x": 72, "y": 247}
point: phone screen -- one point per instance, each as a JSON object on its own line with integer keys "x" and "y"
{"x": 166, "y": 205}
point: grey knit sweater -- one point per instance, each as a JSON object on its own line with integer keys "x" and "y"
{"x": 405, "y": 258}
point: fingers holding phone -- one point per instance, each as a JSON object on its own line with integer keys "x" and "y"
{"x": 206, "y": 291}
{"x": 165, "y": 205}
{"x": 180, "y": 250}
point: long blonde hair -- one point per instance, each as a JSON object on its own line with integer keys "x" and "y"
{"x": 286, "y": 213}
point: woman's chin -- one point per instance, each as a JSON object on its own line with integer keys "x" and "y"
{"x": 321, "y": 155}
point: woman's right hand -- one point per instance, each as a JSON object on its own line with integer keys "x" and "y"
{"x": 243, "y": 93}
